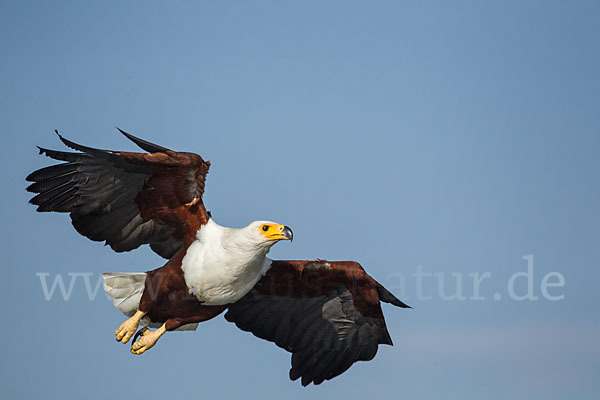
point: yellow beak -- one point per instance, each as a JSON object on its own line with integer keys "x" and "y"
{"x": 279, "y": 232}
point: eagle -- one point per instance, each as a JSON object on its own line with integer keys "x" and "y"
{"x": 327, "y": 314}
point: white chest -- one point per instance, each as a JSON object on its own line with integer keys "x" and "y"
{"x": 218, "y": 275}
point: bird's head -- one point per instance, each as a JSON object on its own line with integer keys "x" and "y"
{"x": 267, "y": 233}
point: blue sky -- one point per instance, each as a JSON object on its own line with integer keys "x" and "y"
{"x": 441, "y": 137}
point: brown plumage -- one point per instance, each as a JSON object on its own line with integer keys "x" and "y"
{"x": 327, "y": 314}
{"x": 126, "y": 199}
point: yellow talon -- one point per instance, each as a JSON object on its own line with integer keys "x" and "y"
{"x": 128, "y": 328}
{"x": 147, "y": 340}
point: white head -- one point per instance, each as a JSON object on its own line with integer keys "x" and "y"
{"x": 268, "y": 232}
{"x": 262, "y": 235}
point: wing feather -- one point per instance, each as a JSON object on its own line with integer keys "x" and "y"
{"x": 327, "y": 314}
{"x": 144, "y": 144}
{"x": 125, "y": 199}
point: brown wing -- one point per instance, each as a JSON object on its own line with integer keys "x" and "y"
{"x": 327, "y": 314}
{"x": 125, "y": 199}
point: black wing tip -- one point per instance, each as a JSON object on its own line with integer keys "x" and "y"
{"x": 44, "y": 151}
{"x": 29, "y": 178}
{"x": 387, "y": 297}
{"x": 84, "y": 149}
{"x": 127, "y": 135}
{"x": 143, "y": 144}
{"x": 305, "y": 380}
{"x": 66, "y": 142}
{"x": 40, "y": 206}
{"x": 295, "y": 375}
{"x": 69, "y": 143}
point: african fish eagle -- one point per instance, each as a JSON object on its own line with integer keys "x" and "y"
{"x": 326, "y": 313}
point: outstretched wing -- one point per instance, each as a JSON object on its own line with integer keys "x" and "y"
{"x": 125, "y": 199}
{"x": 327, "y": 314}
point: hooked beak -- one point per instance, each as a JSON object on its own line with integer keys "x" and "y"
{"x": 281, "y": 232}
{"x": 287, "y": 233}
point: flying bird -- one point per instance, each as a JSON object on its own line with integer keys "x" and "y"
{"x": 326, "y": 313}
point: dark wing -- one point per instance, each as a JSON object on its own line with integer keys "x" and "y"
{"x": 125, "y": 199}
{"x": 327, "y": 314}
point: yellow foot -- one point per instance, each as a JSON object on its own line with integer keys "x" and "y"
{"x": 128, "y": 328}
{"x": 147, "y": 339}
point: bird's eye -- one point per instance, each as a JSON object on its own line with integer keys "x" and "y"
{"x": 265, "y": 228}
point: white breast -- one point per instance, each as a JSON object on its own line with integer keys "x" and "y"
{"x": 217, "y": 270}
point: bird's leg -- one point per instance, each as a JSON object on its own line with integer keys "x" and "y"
{"x": 147, "y": 339}
{"x": 128, "y": 328}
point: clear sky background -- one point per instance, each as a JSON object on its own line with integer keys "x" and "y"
{"x": 454, "y": 137}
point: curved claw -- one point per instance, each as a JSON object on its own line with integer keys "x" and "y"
{"x": 147, "y": 339}
{"x": 138, "y": 334}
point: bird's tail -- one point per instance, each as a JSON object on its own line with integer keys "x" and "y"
{"x": 125, "y": 289}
